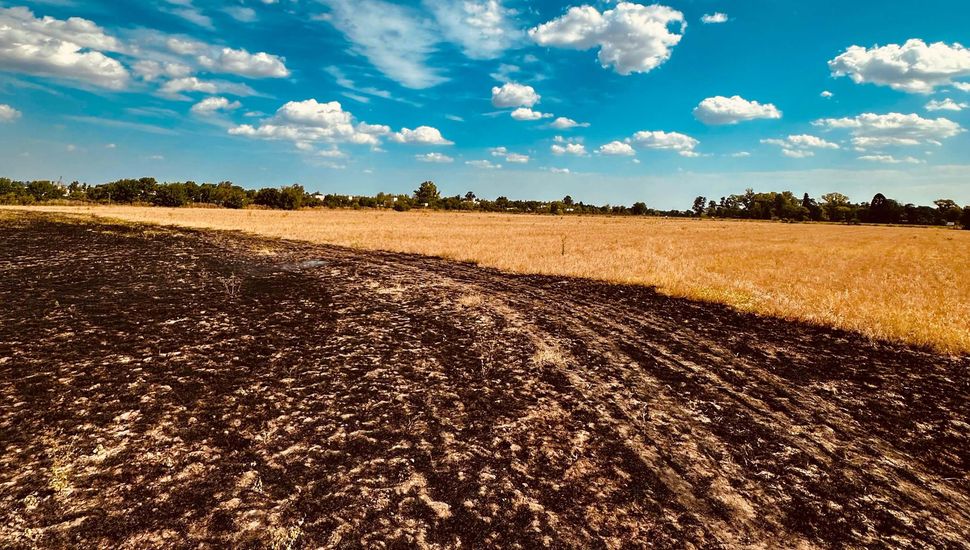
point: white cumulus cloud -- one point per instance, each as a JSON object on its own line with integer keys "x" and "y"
{"x": 734, "y": 109}
{"x": 914, "y": 67}
{"x": 175, "y": 87}
{"x": 241, "y": 62}
{"x": 563, "y": 123}
{"x": 150, "y": 70}
{"x": 512, "y": 94}
{"x": 873, "y": 131}
{"x": 310, "y": 121}
{"x": 8, "y": 113}
{"x": 422, "y": 135}
{"x": 576, "y": 149}
{"x": 69, "y": 49}
{"x": 617, "y": 148}
{"x": 211, "y": 105}
{"x": 525, "y": 113}
{"x": 667, "y": 141}
{"x": 946, "y": 104}
{"x": 631, "y": 38}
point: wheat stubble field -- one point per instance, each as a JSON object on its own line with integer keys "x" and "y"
{"x": 164, "y": 387}
{"x": 901, "y": 284}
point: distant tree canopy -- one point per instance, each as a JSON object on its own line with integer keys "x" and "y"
{"x": 834, "y": 207}
{"x": 785, "y": 206}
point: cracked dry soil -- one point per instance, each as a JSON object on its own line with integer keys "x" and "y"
{"x": 175, "y": 388}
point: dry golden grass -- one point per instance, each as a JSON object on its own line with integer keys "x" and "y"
{"x": 901, "y": 284}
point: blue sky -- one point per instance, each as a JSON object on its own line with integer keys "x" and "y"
{"x": 605, "y": 101}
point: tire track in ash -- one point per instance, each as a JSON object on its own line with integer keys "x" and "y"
{"x": 350, "y": 398}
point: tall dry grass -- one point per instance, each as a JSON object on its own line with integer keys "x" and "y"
{"x": 894, "y": 283}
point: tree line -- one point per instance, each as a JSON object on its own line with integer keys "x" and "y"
{"x": 833, "y": 207}
{"x": 784, "y": 206}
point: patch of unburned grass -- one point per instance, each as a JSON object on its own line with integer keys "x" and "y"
{"x": 895, "y": 283}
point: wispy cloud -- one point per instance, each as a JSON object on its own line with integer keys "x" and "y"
{"x": 395, "y": 39}
{"x": 114, "y": 123}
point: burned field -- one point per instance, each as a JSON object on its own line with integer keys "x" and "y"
{"x": 178, "y": 388}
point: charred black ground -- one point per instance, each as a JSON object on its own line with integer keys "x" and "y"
{"x": 177, "y": 388}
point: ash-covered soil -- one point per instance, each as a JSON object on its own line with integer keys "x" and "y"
{"x": 340, "y": 398}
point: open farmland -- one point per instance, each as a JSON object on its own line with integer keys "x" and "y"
{"x": 169, "y": 387}
{"x": 895, "y": 283}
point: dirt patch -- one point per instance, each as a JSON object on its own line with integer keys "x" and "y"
{"x": 176, "y": 388}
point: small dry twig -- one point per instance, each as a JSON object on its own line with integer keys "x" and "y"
{"x": 232, "y": 285}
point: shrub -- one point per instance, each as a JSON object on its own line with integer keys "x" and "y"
{"x": 172, "y": 194}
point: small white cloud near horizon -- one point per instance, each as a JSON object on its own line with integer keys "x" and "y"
{"x": 720, "y": 110}
{"x": 800, "y": 146}
{"x": 8, "y": 113}
{"x": 826, "y": 94}
{"x": 874, "y": 131}
{"x": 562, "y": 146}
{"x": 483, "y": 164}
{"x": 515, "y": 158}
{"x": 683, "y": 144}
{"x": 889, "y": 159}
{"x": 436, "y": 158}
{"x": 714, "y": 18}
{"x": 617, "y": 148}
{"x": 563, "y": 123}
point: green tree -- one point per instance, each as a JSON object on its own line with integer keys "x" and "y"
{"x": 965, "y": 217}
{"x": 268, "y": 196}
{"x": 170, "y": 194}
{"x": 948, "y": 210}
{"x": 836, "y": 206}
{"x": 225, "y": 194}
{"x": 45, "y": 190}
{"x": 639, "y": 209}
{"x": 427, "y": 194}
{"x": 291, "y": 197}
{"x": 699, "y": 204}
